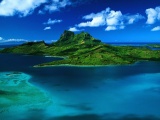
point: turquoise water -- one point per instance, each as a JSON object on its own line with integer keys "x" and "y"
{"x": 129, "y": 92}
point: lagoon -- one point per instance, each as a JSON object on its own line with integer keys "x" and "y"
{"x": 90, "y": 93}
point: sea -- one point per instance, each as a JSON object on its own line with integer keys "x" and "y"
{"x": 116, "y": 92}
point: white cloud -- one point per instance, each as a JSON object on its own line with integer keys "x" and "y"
{"x": 12, "y": 40}
{"x": 134, "y": 18}
{"x": 96, "y": 19}
{"x": 1, "y": 38}
{"x": 109, "y": 28}
{"x": 74, "y": 29}
{"x": 121, "y": 27}
{"x": 153, "y": 15}
{"x": 51, "y": 22}
{"x": 16, "y": 40}
{"x": 51, "y": 8}
{"x": 56, "y": 5}
{"x": 47, "y": 28}
{"x": 27, "y": 7}
{"x": 114, "y": 20}
{"x": 21, "y": 7}
{"x": 156, "y": 28}
{"x": 41, "y": 12}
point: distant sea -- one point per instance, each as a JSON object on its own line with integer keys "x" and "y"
{"x": 124, "y": 92}
{"x": 7, "y": 46}
{"x": 131, "y": 43}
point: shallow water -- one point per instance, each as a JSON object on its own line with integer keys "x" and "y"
{"x": 96, "y": 93}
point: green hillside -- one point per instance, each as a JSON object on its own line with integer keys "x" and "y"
{"x": 83, "y": 49}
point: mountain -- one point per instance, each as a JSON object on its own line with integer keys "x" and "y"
{"x": 83, "y": 49}
{"x": 69, "y": 38}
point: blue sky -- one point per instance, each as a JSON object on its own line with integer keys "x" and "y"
{"x": 107, "y": 20}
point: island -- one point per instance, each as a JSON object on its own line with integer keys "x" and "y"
{"x": 84, "y": 50}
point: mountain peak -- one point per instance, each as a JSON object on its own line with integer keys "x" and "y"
{"x": 85, "y": 36}
{"x": 69, "y": 37}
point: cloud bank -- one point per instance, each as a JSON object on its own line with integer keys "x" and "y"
{"x": 21, "y": 7}
{"x": 2, "y": 40}
{"x": 114, "y": 20}
{"x": 27, "y": 7}
{"x": 153, "y": 15}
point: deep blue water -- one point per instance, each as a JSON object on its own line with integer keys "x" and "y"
{"x": 136, "y": 45}
{"x": 127, "y": 92}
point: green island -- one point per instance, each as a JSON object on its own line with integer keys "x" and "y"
{"x": 84, "y": 50}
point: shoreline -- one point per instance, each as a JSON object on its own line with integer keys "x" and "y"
{"x": 72, "y": 65}
{"x": 64, "y": 57}
{"x": 85, "y": 66}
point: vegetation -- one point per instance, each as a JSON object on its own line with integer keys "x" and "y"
{"x": 154, "y": 45}
{"x": 83, "y": 49}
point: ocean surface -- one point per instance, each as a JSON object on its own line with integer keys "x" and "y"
{"x": 125, "y": 92}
